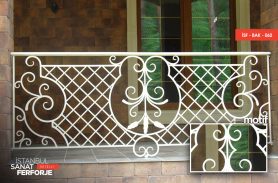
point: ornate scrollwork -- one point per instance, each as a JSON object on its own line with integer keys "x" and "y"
{"x": 227, "y": 149}
{"x": 144, "y": 68}
{"x": 149, "y": 149}
{"x": 209, "y": 164}
{"x": 27, "y": 141}
{"x": 22, "y": 139}
{"x": 227, "y": 135}
{"x": 39, "y": 106}
{"x": 261, "y": 133}
{"x": 245, "y": 98}
{"x": 41, "y": 91}
{"x": 194, "y": 136}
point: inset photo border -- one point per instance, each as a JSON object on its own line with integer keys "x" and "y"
{"x": 228, "y": 147}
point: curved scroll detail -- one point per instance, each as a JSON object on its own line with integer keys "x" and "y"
{"x": 41, "y": 92}
{"x": 134, "y": 97}
{"x": 260, "y": 134}
{"x": 246, "y": 96}
{"x": 144, "y": 149}
{"x": 227, "y": 149}
{"x": 27, "y": 141}
{"x": 248, "y": 163}
{"x": 44, "y": 102}
{"x": 22, "y": 139}
{"x": 194, "y": 136}
{"x": 208, "y": 164}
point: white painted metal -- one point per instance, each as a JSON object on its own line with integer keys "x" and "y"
{"x": 86, "y": 54}
{"x": 71, "y": 83}
{"x": 228, "y": 136}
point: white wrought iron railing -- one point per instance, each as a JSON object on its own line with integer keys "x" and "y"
{"x": 75, "y": 105}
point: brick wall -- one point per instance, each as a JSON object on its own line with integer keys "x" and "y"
{"x": 269, "y": 19}
{"x": 153, "y": 172}
{"x": 78, "y": 25}
{"x": 6, "y": 46}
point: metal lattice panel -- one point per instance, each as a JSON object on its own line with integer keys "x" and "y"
{"x": 73, "y": 105}
{"x": 211, "y": 107}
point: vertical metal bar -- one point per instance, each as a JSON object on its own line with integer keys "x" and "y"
{"x": 269, "y": 101}
{"x": 13, "y": 95}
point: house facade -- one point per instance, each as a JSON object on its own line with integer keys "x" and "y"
{"x": 112, "y": 26}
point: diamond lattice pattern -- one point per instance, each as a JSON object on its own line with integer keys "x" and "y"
{"x": 87, "y": 119}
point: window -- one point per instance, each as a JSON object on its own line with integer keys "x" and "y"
{"x": 176, "y": 25}
{"x": 191, "y": 25}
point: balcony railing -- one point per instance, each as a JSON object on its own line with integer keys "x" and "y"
{"x": 60, "y": 103}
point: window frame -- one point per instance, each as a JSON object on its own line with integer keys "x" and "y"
{"x": 242, "y": 21}
{"x": 186, "y": 27}
{"x": 186, "y": 34}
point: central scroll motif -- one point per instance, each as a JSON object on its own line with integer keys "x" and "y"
{"x": 145, "y": 99}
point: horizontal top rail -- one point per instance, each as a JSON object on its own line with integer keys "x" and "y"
{"x": 59, "y": 54}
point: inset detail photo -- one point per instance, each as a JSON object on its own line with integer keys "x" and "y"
{"x": 228, "y": 148}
